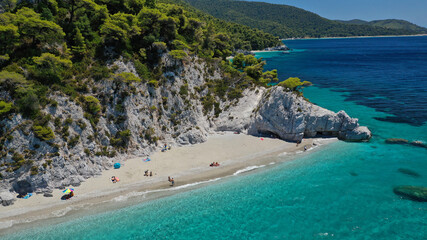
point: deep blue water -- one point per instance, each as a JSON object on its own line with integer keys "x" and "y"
{"x": 388, "y": 74}
{"x": 342, "y": 191}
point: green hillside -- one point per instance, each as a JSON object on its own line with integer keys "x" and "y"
{"x": 389, "y": 23}
{"x": 287, "y": 21}
{"x": 65, "y": 46}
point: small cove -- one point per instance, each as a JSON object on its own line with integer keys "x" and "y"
{"x": 341, "y": 191}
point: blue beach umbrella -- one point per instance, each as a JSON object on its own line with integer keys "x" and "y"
{"x": 116, "y": 165}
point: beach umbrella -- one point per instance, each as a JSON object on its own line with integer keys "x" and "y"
{"x": 117, "y": 165}
{"x": 68, "y": 190}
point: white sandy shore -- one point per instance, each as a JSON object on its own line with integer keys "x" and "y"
{"x": 186, "y": 164}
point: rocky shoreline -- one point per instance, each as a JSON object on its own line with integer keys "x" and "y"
{"x": 151, "y": 116}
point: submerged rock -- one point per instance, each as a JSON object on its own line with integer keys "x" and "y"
{"x": 413, "y": 193}
{"x": 408, "y": 172}
{"x": 396, "y": 141}
{"x": 404, "y": 142}
{"x": 418, "y": 144}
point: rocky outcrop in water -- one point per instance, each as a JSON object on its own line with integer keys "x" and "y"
{"x": 413, "y": 193}
{"x": 278, "y": 48}
{"x": 292, "y": 118}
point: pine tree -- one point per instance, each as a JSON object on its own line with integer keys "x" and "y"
{"x": 79, "y": 47}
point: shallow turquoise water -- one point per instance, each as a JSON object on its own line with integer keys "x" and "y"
{"x": 341, "y": 191}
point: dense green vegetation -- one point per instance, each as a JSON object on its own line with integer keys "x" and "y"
{"x": 48, "y": 46}
{"x": 287, "y": 21}
{"x": 389, "y": 23}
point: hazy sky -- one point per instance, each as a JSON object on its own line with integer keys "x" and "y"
{"x": 414, "y": 11}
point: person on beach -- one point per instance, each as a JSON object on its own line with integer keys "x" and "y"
{"x": 151, "y": 173}
{"x": 113, "y": 179}
{"x": 171, "y": 180}
{"x": 305, "y": 148}
{"x": 146, "y": 173}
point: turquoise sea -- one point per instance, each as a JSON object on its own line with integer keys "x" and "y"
{"x": 341, "y": 191}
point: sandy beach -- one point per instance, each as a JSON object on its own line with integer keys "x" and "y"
{"x": 188, "y": 164}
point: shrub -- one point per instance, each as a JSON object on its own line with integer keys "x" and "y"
{"x": 43, "y": 133}
{"x": 126, "y": 77}
{"x": 208, "y": 103}
{"x": 34, "y": 170}
{"x": 153, "y": 83}
{"x": 68, "y": 121}
{"x": 235, "y": 93}
{"x": 92, "y": 105}
{"x": 142, "y": 70}
{"x": 183, "y": 90}
{"x": 29, "y": 104}
{"x": 164, "y": 100}
{"x": 18, "y": 161}
{"x": 14, "y": 67}
{"x": 50, "y": 68}
{"x": 73, "y": 141}
{"x": 121, "y": 139}
{"x": 179, "y": 45}
{"x": 294, "y": 84}
{"x": 99, "y": 71}
{"x": 81, "y": 124}
{"x": 5, "y": 107}
{"x": 178, "y": 54}
{"x": 12, "y": 78}
{"x": 160, "y": 47}
{"x": 87, "y": 151}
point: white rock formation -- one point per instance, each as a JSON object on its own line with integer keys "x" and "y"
{"x": 291, "y": 118}
{"x": 6, "y": 198}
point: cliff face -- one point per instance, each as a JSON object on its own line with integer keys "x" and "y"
{"x": 150, "y": 116}
{"x": 153, "y": 115}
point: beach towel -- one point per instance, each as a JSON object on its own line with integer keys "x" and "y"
{"x": 146, "y": 160}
